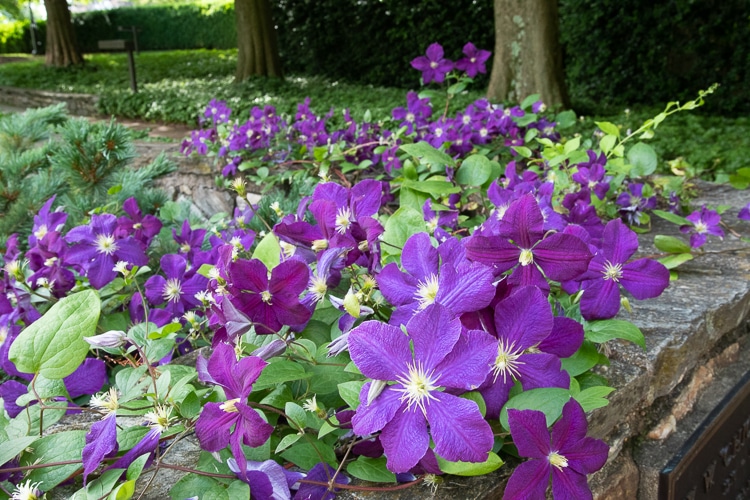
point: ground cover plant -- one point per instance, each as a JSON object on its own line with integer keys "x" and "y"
{"x": 431, "y": 304}
{"x": 176, "y": 85}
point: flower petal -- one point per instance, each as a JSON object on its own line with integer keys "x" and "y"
{"x": 528, "y": 481}
{"x": 529, "y": 431}
{"x": 458, "y": 428}
{"x": 524, "y": 319}
{"x": 212, "y": 427}
{"x": 468, "y": 288}
{"x": 468, "y": 364}
{"x": 523, "y": 222}
{"x": 405, "y": 440}
{"x": 619, "y": 242}
{"x": 373, "y": 417}
{"x": 419, "y": 258}
{"x": 254, "y": 430}
{"x": 493, "y": 250}
{"x": 397, "y": 287}
{"x": 101, "y": 441}
{"x": 568, "y": 484}
{"x": 434, "y": 330}
{"x": 542, "y": 370}
{"x": 566, "y": 337}
{"x": 600, "y": 299}
{"x": 380, "y": 351}
{"x": 645, "y": 278}
{"x": 562, "y": 256}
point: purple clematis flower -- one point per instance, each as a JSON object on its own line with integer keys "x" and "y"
{"x": 214, "y": 425}
{"x": 321, "y": 472}
{"x": 567, "y": 454}
{"x": 643, "y": 278}
{"x": 474, "y": 61}
{"x": 456, "y": 283}
{"x": 522, "y": 246}
{"x": 96, "y": 249}
{"x": 271, "y": 302}
{"x": 744, "y": 213}
{"x": 433, "y": 66}
{"x": 267, "y": 480}
{"x": 101, "y": 442}
{"x": 142, "y": 227}
{"x": 175, "y": 289}
{"x": 522, "y": 323}
{"x": 443, "y": 356}
{"x": 705, "y": 222}
{"x": 634, "y": 204}
{"x": 46, "y": 222}
{"x": 591, "y": 174}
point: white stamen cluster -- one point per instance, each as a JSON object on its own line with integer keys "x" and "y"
{"x": 612, "y": 271}
{"x": 506, "y": 362}
{"x": 105, "y": 243}
{"x": 557, "y": 460}
{"x": 343, "y": 220}
{"x": 417, "y": 387}
{"x": 427, "y": 291}
{"x": 526, "y": 257}
{"x": 172, "y": 290}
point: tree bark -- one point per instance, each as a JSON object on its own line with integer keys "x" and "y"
{"x": 528, "y": 56}
{"x": 61, "y": 47}
{"x": 258, "y": 51}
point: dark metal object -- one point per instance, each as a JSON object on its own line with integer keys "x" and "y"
{"x": 134, "y": 31}
{"x": 715, "y": 462}
{"x": 119, "y": 46}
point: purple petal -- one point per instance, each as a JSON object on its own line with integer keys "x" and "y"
{"x": 101, "y": 272}
{"x": 373, "y": 417}
{"x": 173, "y": 265}
{"x": 254, "y": 430}
{"x": 332, "y": 192}
{"x": 435, "y": 52}
{"x": 569, "y": 484}
{"x": 529, "y": 480}
{"x": 619, "y": 242}
{"x": 542, "y": 370}
{"x": 468, "y": 364}
{"x": 645, "y": 278}
{"x": 10, "y": 390}
{"x": 529, "y": 431}
{"x": 155, "y": 289}
{"x": 380, "y": 351}
{"x": 494, "y": 250}
{"x": 419, "y": 258}
{"x": 566, "y": 338}
{"x": 524, "y": 319}
{"x": 212, "y": 427}
{"x": 320, "y": 472}
{"x": 101, "y": 441}
{"x": 496, "y": 395}
{"x": 434, "y": 330}
{"x": 528, "y": 276}
{"x": 290, "y": 277}
{"x": 468, "y": 288}
{"x": 600, "y": 299}
{"x": 405, "y": 439}
{"x": 81, "y": 253}
{"x": 146, "y": 445}
{"x": 523, "y": 222}
{"x": 458, "y": 428}
{"x": 588, "y": 456}
{"x": 366, "y": 197}
{"x": 562, "y": 256}
{"x": 397, "y": 287}
{"x": 130, "y": 251}
{"x": 88, "y": 378}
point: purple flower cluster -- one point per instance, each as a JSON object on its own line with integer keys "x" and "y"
{"x": 435, "y": 67}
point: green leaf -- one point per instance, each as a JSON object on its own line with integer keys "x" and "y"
{"x": 674, "y": 218}
{"x": 349, "y": 392}
{"x": 53, "y": 345}
{"x": 100, "y": 487}
{"x": 371, "y": 469}
{"x": 123, "y": 492}
{"x": 297, "y": 415}
{"x": 583, "y": 360}
{"x": 643, "y": 158}
{"x": 530, "y": 99}
{"x": 492, "y": 463}
{"x": 268, "y": 251}
{"x": 190, "y": 405}
{"x": 672, "y": 261}
{"x": 572, "y": 145}
{"x": 603, "y": 330}
{"x": 192, "y": 485}
{"x": 670, "y": 244}
{"x": 593, "y": 397}
{"x": 548, "y": 400}
{"x": 435, "y": 188}
{"x": 523, "y": 151}
{"x": 565, "y": 119}
{"x": 428, "y": 154}
{"x": 609, "y": 128}
{"x": 404, "y": 223}
{"x": 60, "y": 447}
{"x": 312, "y": 451}
{"x": 10, "y": 449}
{"x": 476, "y": 397}
{"x": 607, "y": 143}
{"x": 135, "y": 468}
{"x": 474, "y": 171}
{"x": 279, "y": 371}
{"x": 287, "y": 441}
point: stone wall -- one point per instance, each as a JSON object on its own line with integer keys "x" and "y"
{"x": 78, "y": 104}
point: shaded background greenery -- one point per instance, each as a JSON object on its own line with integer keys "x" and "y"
{"x": 616, "y": 52}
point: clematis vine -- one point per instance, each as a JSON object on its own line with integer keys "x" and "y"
{"x": 566, "y": 455}
{"x": 433, "y": 65}
{"x": 522, "y": 246}
{"x": 406, "y": 395}
{"x": 610, "y": 269}
{"x": 233, "y": 422}
{"x": 704, "y": 222}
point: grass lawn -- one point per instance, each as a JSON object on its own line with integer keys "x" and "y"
{"x": 175, "y": 86}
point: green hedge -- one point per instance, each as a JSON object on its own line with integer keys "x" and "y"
{"x": 616, "y": 52}
{"x": 15, "y": 37}
{"x": 163, "y": 27}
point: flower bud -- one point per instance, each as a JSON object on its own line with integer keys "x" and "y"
{"x": 112, "y": 338}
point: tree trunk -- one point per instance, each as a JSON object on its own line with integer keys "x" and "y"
{"x": 528, "y": 56}
{"x": 258, "y": 51}
{"x": 61, "y": 47}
